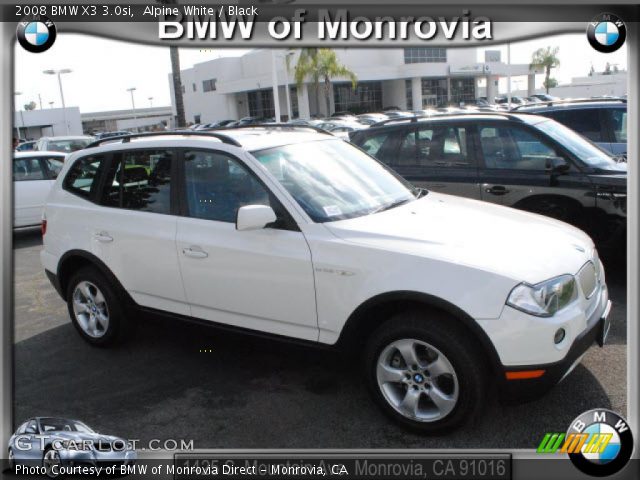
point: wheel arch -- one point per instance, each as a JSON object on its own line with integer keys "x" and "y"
{"x": 374, "y": 311}
{"x": 527, "y": 202}
{"x": 73, "y": 260}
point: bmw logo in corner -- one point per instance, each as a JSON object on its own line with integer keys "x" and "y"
{"x": 604, "y": 442}
{"x": 606, "y": 32}
{"x": 36, "y": 34}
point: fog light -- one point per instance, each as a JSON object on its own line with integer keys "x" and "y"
{"x": 559, "y": 336}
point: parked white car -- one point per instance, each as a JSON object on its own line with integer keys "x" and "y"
{"x": 34, "y": 174}
{"x": 66, "y": 144}
{"x": 298, "y": 234}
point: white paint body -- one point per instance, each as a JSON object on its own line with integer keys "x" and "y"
{"x": 306, "y": 284}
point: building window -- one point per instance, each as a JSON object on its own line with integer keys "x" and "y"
{"x": 367, "y": 97}
{"x": 293, "y": 93}
{"x": 434, "y": 92}
{"x": 193, "y": 85}
{"x": 463, "y": 90}
{"x": 425, "y": 55}
{"x": 196, "y": 119}
{"x": 261, "y": 103}
{"x": 409, "y": 94}
{"x": 209, "y": 85}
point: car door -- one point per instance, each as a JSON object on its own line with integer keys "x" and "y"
{"x": 522, "y": 169}
{"x": 259, "y": 279}
{"x": 134, "y": 230}
{"x": 31, "y": 187}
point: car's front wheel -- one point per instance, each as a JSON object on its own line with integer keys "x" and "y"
{"x": 95, "y": 308}
{"x": 424, "y": 372}
{"x": 51, "y": 462}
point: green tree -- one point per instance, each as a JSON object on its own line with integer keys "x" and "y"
{"x": 321, "y": 64}
{"x": 546, "y": 58}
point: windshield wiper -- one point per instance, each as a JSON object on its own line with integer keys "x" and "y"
{"x": 391, "y": 205}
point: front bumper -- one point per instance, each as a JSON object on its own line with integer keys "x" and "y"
{"x": 524, "y": 387}
{"x": 95, "y": 457}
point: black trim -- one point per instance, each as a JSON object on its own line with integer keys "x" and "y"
{"x": 53, "y": 278}
{"x": 127, "y": 138}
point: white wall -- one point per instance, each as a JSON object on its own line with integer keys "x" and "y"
{"x": 48, "y": 121}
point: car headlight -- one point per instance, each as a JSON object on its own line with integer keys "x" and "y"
{"x": 546, "y": 298}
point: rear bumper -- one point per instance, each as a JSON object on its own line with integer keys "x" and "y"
{"x": 546, "y": 376}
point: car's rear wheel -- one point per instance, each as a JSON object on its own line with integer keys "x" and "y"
{"x": 50, "y": 460}
{"x": 95, "y": 308}
{"x": 425, "y": 372}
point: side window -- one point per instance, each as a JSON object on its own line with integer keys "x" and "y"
{"x": 25, "y": 169}
{"x": 140, "y": 180}
{"x": 32, "y": 427}
{"x": 22, "y": 428}
{"x": 618, "y": 121}
{"x": 53, "y": 165}
{"x": 442, "y": 146}
{"x": 584, "y": 121}
{"x": 82, "y": 178}
{"x": 373, "y": 145}
{"x": 515, "y": 148}
{"x": 218, "y": 185}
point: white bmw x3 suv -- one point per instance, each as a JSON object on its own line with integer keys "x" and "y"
{"x": 298, "y": 234}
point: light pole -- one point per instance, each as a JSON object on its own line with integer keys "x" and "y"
{"x": 50, "y": 104}
{"x": 133, "y": 106}
{"x": 286, "y": 83}
{"x": 150, "y": 102}
{"x": 64, "y": 108}
{"x": 274, "y": 83}
{"x": 21, "y": 117}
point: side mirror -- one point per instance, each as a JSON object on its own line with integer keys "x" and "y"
{"x": 254, "y": 217}
{"x": 557, "y": 165}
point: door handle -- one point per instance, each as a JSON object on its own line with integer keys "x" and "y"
{"x": 497, "y": 190}
{"x": 103, "y": 237}
{"x": 194, "y": 252}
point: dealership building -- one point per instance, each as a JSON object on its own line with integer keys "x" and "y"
{"x": 407, "y": 78}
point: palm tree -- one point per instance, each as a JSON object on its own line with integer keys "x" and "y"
{"x": 546, "y": 58}
{"x": 321, "y": 64}
{"x": 175, "y": 78}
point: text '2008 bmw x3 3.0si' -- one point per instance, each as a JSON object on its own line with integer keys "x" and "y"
{"x": 295, "y": 233}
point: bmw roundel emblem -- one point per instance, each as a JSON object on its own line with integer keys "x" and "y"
{"x": 606, "y": 32}
{"x": 607, "y": 442}
{"x": 36, "y": 34}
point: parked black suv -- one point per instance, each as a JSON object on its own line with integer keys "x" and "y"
{"x": 519, "y": 160}
{"x": 604, "y": 121}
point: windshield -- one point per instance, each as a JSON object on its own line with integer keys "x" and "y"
{"x": 63, "y": 425}
{"x": 333, "y": 180}
{"x": 68, "y": 146}
{"x": 586, "y": 151}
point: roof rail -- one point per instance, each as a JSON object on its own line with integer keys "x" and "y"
{"x": 569, "y": 101}
{"x": 419, "y": 118}
{"x": 283, "y": 126}
{"x": 199, "y": 133}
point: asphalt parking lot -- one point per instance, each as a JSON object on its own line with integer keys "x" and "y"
{"x": 254, "y": 393}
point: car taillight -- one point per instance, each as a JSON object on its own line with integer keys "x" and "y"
{"x": 43, "y": 227}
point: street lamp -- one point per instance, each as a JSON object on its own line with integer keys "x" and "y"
{"x": 21, "y": 117}
{"x": 150, "y": 101}
{"x": 64, "y": 108}
{"x": 286, "y": 83}
{"x": 133, "y": 106}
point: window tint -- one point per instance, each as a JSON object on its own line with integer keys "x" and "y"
{"x": 434, "y": 146}
{"x": 32, "y": 427}
{"x": 373, "y": 145}
{"x": 585, "y": 121}
{"x": 515, "y": 148}
{"x": 140, "y": 180}
{"x": 25, "y": 169}
{"x": 54, "y": 165}
{"x": 618, "y": 120}
{"x": 218, "y": 185}
{"x": 82, "y": 178}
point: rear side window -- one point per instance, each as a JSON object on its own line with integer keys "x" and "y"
{"x": 434, "y": 146}
{"x": 585, "y": 121}
{"x": 82, "y": 179}
{"x": 618, "y": 121}
{"x": 53, "y": 165}
{"x": 25, "y": 169}
{"x": 140, "y": 180}
{"x": 373, "y": 145}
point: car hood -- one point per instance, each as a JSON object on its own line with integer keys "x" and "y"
{"x": 520, "y": 245}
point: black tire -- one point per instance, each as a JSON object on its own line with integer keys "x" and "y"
{"x": 117, "y": 321}
{"x": 441, "y": 331}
